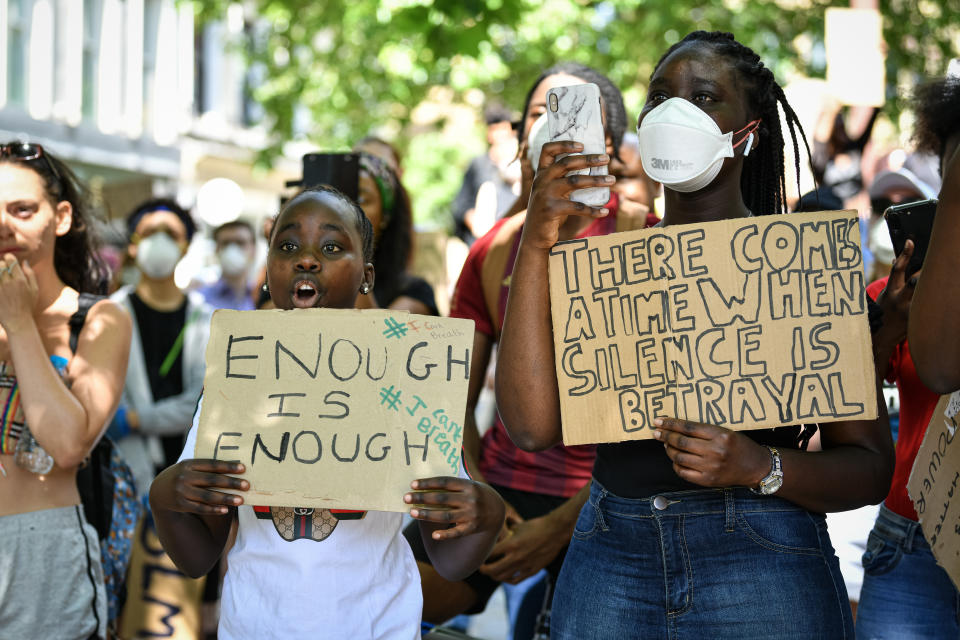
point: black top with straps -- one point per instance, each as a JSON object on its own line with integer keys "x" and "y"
{"x": 640, "y": 469}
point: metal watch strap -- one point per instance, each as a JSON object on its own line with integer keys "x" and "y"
{"x": 773, "y": 480}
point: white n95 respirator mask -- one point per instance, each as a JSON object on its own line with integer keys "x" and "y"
{"x": 158, "y": 255}
{"x": 682, "y": 147}
{"x": 234, "y": 260}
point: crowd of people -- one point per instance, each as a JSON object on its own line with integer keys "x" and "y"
{"x": 701, "y": 531}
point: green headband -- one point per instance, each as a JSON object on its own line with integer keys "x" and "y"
{"x": 386, "y": 183}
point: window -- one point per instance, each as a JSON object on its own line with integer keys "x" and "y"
{"x": 17, "y": 14}
{"x": 92, "y": 18}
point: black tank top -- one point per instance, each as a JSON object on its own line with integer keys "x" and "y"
{"x": 641, "y": 468}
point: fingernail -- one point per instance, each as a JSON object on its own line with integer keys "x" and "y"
{"x": 658, "y": 422}
{"x": 604, "y": 211}
{"x": 657, "y": 434}
{"x": 414, "y": 513}
{"x": 408, "y": 498}
{"x": 236, "y": 500}
{"x": 436, "y": 535}
{"x": 414, "y": 484}
{"x": 609, "y": 179}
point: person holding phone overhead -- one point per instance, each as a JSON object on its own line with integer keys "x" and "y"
{"x": 544, "y": 491}
{"x": 935, "y": 316}
{"x": 673, "y": 542}
{"x": 905, "y": 593}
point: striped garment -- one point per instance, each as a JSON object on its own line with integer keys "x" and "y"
{"x": 11, "y": 414}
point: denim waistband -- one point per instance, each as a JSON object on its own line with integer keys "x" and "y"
{"x": 690, "y": 502}
{"x": 903, "y": 531}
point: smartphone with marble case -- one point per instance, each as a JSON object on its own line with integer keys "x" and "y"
{"x": 574, "y": 113}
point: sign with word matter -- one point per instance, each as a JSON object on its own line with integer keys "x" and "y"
{"x": 334, "y": 408}
{"x": 934, "y": 483}
{"x": 751, "y": 323}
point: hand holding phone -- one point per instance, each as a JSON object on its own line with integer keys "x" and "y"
{"x": 574, "y": 113}
{"x": 913, "y": 221}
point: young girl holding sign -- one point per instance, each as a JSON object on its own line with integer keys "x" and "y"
{"x": 352, "y": 578}
{"x": 672, "y": 542}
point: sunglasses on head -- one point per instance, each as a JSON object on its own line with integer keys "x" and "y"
{"x": 29, "y": 151}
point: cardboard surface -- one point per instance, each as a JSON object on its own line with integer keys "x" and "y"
{"x": 162, "y": 602}
{"x": 856, "y": 74}
{"x": 752, "y": 323}
{"x": 935, "y": 482}
{"x": 335, "y": 408}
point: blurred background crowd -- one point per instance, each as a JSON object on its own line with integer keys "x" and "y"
{"x": 212, "y": 104}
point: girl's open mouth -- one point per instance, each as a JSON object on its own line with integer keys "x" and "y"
{"x": 305, "y": 294}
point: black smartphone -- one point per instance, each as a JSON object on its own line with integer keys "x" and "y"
{"x": 911, "y": 221}
{"x": 337, "y": 170}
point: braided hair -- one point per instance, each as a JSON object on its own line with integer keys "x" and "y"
{"x": 763, "y": 180}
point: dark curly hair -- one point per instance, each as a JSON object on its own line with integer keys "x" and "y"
{"x": 763, "y": 181}
{"x": 615, "y": 112}
{"x": 76, "y": 257}
{"x": 937, "y": 105}
{"x": 161, "y": 204}
{"x": 364, "y": 228}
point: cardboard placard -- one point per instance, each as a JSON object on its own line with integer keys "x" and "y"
{"x": 934, "y": 483}
{"x": 856, "y": 73}
{"x": 162, "y": 601}
{"x": 749, "y": 323}
{"x": 335, "y": 408}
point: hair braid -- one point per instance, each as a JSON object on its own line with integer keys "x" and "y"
{"x": 763, "y": 181}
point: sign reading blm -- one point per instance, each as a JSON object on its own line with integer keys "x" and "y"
{"x": 751, "y": 323}
{"x": 336, "y": 409}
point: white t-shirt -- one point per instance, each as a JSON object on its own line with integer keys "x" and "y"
{"x": 358, "y": 581}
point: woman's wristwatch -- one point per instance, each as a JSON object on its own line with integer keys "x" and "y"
{"x": 774, "y": 479}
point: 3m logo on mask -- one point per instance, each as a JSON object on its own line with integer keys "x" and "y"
{"x": 669, "y": 165}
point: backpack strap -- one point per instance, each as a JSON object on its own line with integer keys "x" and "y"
{"x": 498, "y": 264}
{"x": 79, "y": 317}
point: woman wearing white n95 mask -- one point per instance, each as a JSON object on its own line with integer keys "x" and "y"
{"x": 682, "y": 147}
{"x": 701, "y": 532}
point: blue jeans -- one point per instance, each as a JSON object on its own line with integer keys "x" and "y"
{"x": 713, "y": 563}
{"x": 905, "y": 593}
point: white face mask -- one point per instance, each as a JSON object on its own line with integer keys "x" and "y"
{"x": 683, "y": 148}
{"x": 158, "y": 255}
{"x": 233, "y": 260}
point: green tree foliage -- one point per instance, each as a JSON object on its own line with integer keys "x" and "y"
{"x": 359, "y": 65}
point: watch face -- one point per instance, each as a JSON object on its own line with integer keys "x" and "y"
{"x": 771, "y": 485}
